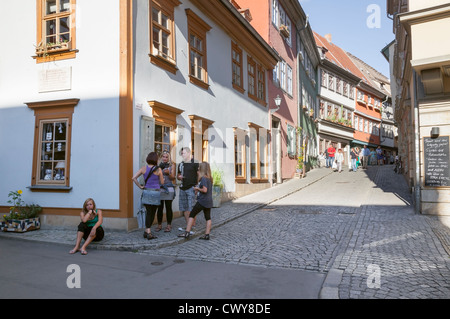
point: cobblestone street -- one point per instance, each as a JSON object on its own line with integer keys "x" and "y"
{"x": 353, "y": 226}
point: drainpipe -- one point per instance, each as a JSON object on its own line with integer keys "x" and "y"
{"x": 416, "y": 146}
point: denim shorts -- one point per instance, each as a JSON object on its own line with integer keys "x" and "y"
{"x": 187, "y": 199}
{"x": 151, "y": 197}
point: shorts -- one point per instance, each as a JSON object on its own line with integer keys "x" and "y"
{"x": 84, "y": 228}
{"x": 187, "y": 199}
{"x": 198, "y": 208}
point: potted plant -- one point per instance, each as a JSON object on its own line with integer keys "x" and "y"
{"x": 22, "y": 217}
{"x": 217, "y": 175}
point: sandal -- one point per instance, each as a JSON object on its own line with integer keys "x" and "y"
{"x": 83, "y": 252}
{"x": 73, "y": 251}
{"x": 186, "y": 235}
{"x": 205, "y": 237}
{"x": 158, "y": 228}
{"x": 168, "y": 228}
{"x": 151, "y": 236}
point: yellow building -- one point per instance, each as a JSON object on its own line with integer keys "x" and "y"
{"x": 420, "y": 72}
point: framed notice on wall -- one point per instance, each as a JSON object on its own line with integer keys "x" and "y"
{"x": 436, "y": 155}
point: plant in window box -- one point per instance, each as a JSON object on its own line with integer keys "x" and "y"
{"x": 217, "y": 175}
{"x": 43, "y": 49}
{"x": 284, "y": 30}
{"x": 22, "y": 217}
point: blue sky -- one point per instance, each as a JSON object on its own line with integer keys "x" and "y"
{"x": 346, "y": 21}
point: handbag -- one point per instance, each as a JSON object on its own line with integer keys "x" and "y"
{"x": 334, "y": 166}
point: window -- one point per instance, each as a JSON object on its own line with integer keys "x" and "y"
{"x": 251, "y": 70}
{"x": 258, "y": 153}
{"x": 355, "y": 123}
{"x": 162, "y": 48}
{"x": 199, "y": 137}
{"x": 276, "y": 75}
{"x": 162, "y": 138}
{"x": 275, "y": 12}
{"x": 289, "y": 79}
{"x": 55, "y": 30}
{"x": 338, "y": 85}
{"x": 261, "y": 84}
{"x": 283, "y": 75}
{"x": 236, "y": 61}
{"x": 361, "y": 124}
{"x": 197, "y": 29}
{"x": 330, "y": 82}
{"x": 52, "y": 143}
{"x": 239, "y": 155}
{"x": 291, "y": 140}
{"x": 324, "y": 79}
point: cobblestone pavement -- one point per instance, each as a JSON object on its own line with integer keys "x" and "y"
{"x": 366, "y": 237}
{"x": 359, "y": 229}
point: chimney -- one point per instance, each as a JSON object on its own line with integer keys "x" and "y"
{"x": 328, "y": 37}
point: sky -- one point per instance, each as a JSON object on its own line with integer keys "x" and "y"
{"x": 360, "y": 27}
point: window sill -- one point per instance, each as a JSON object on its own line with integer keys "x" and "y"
{"x": 56, "y": 56}
{"x": 238, "y": 88}
{"x": 198, "y": 82}
{"x": 50, "y": 188}
{"x": 163, "y": 63}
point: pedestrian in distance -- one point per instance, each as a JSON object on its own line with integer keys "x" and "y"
{"x": 187, "y": 174}
{"x": 167, "y": 197}
{"x": 366, "y": 155}
{"x": 151, "y": 196}
{"x": 339, "y": 160}
{"x": 354, "y": 158}
{"x": 204, "y": 200}
{"x": 90, "y": 228}
{"x": 331, "y": 152}
{"x": 380, "y": 156}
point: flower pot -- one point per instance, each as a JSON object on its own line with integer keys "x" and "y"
{"x": 21, "y": 225}
{"x": 217, "y": 196}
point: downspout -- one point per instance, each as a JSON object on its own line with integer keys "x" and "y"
{"x": 416, "y": 146}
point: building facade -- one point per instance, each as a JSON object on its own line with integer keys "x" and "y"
{"x": 282, "y": 23}
{"x": 169, "y": 74}
{"x": 421, "y": 76}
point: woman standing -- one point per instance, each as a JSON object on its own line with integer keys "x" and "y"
{"x": 354, "y": 157}
{"x": 168, "y": 170}
{"x": 339, "y": 159}
{"x": 151, "y": 197}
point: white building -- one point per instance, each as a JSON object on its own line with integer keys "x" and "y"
{"x": 78, "y": 115}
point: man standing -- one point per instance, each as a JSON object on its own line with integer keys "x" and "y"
{"x": 366, "y": 154}
{"x": 331, "y": 151}
{"x": 187, "y": 174}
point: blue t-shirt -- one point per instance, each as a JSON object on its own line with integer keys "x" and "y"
{"x": 205, "y": 199}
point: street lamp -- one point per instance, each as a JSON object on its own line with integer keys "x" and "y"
{"x": 277, "y": 103}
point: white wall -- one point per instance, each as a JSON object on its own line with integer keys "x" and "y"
{"x": 95, "y": 81}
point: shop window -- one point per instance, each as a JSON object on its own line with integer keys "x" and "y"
{"x": 52, "y": 144}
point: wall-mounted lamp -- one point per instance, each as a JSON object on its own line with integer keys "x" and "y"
{"x": 277, "y": 103}
{"x": 434, "y": 132}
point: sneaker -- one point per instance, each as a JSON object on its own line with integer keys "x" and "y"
{"x": 180, "y": 228}
{"x": 192, "y": 232}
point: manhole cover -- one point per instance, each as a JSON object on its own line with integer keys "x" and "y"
{"x": 156, "y": 263}
{"x": 178, "y": 261}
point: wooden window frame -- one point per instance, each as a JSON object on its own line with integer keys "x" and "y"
{"x": 256, "y": 130}
{"x": 199, "y": 127}
{"x": 198, "y": 28}
{"x": 240, "y": 136}
{"x": 237, "y": 51}
{"x": 66, "y": 51}
{"x": 167, "y": 7}
{"x": 261, "y": 84}
{"x": 51, "y": 112}
{"x": 251, "y": 77}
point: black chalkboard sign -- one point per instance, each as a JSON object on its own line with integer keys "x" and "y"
{"x": 436, "y": 154}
